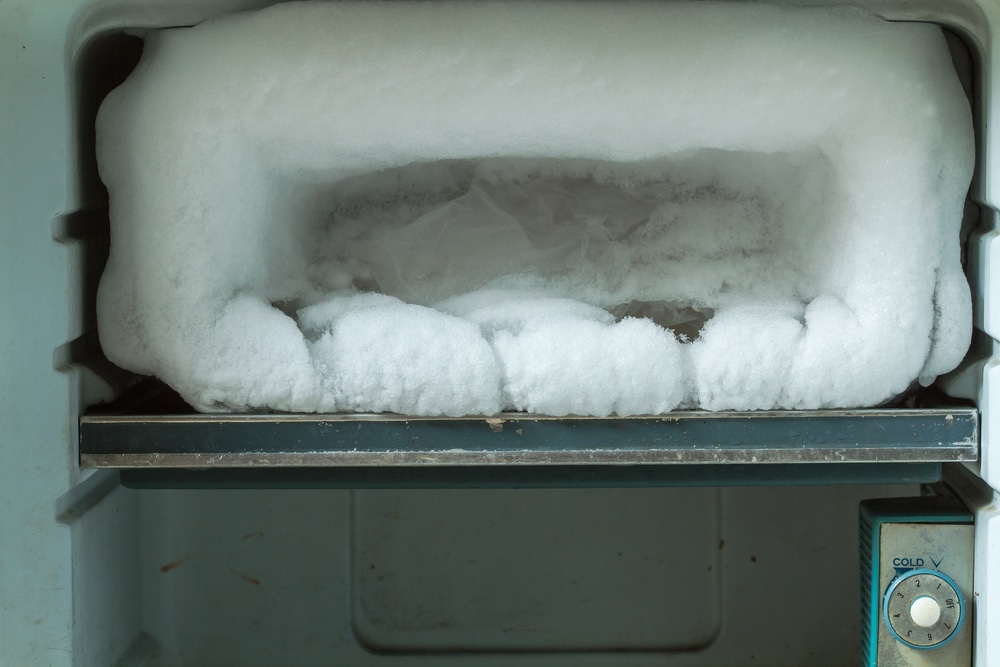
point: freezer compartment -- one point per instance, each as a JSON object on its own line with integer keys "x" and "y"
{"x": 100, "y": 444}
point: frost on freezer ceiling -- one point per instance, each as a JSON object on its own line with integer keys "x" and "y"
{"x": 564, "y": 208}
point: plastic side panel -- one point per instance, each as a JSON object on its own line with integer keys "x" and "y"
{"x": 35, "y": 424}
{"x": 989, "y": 456}
{"x": 987, "y": 587}
{"x": 989, "y": 268}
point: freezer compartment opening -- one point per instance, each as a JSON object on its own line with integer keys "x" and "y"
{"x": 832, "y": 276}
{"x": 344, "y": 259}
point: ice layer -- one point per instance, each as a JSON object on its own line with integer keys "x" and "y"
{"x": 445, "y": 208}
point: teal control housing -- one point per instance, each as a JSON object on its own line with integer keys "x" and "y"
{"x": 905, "y": 542}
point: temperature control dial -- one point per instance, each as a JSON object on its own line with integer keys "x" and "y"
{"x": 923, "y": 608}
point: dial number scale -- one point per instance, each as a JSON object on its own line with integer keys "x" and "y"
{"x": 923, "y": 608}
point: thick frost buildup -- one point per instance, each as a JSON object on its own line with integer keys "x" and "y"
{"x": 562, "y": 367}
{"x": 376, "y": 353}
{"x": 563, "y": 207}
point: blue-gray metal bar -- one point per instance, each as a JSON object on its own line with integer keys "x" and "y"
{"x": 302, "y": 441}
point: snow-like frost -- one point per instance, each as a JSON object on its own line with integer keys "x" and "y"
{"x": 565, "y": 207}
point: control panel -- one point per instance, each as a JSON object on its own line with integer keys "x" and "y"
{"x": 916, "y": 562}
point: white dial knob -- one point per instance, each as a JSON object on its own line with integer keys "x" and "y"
{"x": 925, "y": 611}
{"x": 923, "y": 608}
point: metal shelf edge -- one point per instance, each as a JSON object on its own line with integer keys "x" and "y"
{"x": 686, "y": 438}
